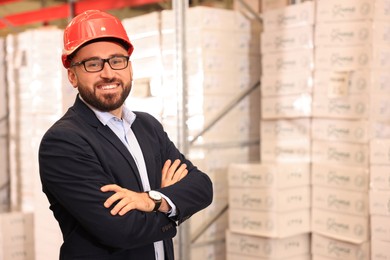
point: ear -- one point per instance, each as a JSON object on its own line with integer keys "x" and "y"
{"x": 72, "y": 77}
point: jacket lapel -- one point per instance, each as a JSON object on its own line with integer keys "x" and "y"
{"x": 90, "y": 117}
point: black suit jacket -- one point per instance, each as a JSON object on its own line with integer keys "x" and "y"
{"x": 78, "y": 155}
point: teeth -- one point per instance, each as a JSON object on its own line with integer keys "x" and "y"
{"x": 109, "y": 86}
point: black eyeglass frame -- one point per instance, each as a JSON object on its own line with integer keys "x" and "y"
{"x": 127, "y": 58}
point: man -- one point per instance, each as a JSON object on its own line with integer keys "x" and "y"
{"x": 115, "y": 182}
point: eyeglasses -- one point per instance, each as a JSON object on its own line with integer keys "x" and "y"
{"x": 96, "y": 64}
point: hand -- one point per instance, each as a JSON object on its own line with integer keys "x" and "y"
{"x": 171, "y": 173}
{"x": 128, "y": 200}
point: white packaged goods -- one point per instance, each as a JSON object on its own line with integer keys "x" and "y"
{"x": 344, "y": 227}
{"x": 211, "y": 18}
{"x": 379, "y": 202}
{"x": 352, "y": 10}
{"x": 380, "y": 249}
{"x": 340, "y": 176}
{"x": 214, "y": 61}
{"x": 285, "y": 129}
{"x": 288, "y": 150}
{"x": 291, "y": 16}
{"x": 340, "y": 201}
{"x": 380, "y": 227}
{"x": 379, "y": 151}
{"x": 352, "y": 33}
{"x": 215, "y": 40}
{"x": 269, "y": 224}
{"x": 354, "y": 131}
{"x": 380, "y": 82}
{"x": 350, "y": 107}
{"x": 338, "y": 84}
{"x": 141, "y": 26}
{"x": 278, "y": 200}
{"x": 286, "y": 83}
{"x": 380, "y": 130}
{"x": 286, "y": 107}
{"x": 214, "y": 232}
{"x": 287, "y": 39}
{"x": 338, "y": 250}
{"x": 380, "y": 107}
{"x": 281, "y": 62}
{"x": 343, "y": 58}
{"x": 232, "y": 256}
{"x": 16, "y": 229}
{"x": 343, "y": 154}
{"x": 253, "y": 175}
{"x": 212, "y": 250}
{"x": 267, "y": 248}
{"x": 380, "y": 177}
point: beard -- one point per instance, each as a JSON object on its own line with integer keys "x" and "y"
{"x": 105, "y": 102}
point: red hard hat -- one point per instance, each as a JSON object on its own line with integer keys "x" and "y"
{"x": 92, "y": 25}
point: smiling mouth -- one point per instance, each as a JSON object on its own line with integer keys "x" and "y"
{"x": 107, "y": 87}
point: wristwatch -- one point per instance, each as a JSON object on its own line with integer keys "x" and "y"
{"x": 156, "y": 197}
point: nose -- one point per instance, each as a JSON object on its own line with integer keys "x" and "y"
{"x": 106, "y": 72}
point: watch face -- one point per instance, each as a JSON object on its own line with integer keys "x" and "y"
{"x": 155, "y": 195}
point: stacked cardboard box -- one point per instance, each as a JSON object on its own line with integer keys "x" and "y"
{"x": 278, "y": 210}
{"x": 269, "y": 209}
{"x": 35, "y": 86}
{"x": 16, "y": 236}
{"x": 352, "y": 58}
{"x": 145, "y": 35}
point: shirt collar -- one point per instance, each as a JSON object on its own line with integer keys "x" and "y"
{"x": 127, "y": 115}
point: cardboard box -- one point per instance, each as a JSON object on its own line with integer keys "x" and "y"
{"x": 344, "y": 58}
{"x": 379, "y": 130}
{"x": 380, "y": 250}
{"x": 379, "y": 151}
{"x": 340, "y": 176}
{"x": 287, "y": 39}
{"x": 285, "y": 129}
{"x": 215, "y": 250}
{"x": 379, "y": 202}
{"x": 281, "y": 62}
{"x": 351, "y": 10}
{"x": 16, "y": 228}
{"x": 231, "y": 256}
{"x": 286, "y": 83}
{"x": 269, "y": 224}
{"x": 269, "y": 248}
{"x": 354, "y": 131}
{"x": 278, "y": 200}
{"x": 290, "y": 16}
{"x": 344, "y": 33}
{"x": 286, "y": 107}
{"x": 351, "y": 107}
{"x": 380, "y": 107}
{"x": 380, "y": 177}
{"x": 288, "y": 150}
{"x": 340, "y": 201}
{"x": 345, "y": 227}
{"x": 380, "y": 227}
{"x": 339, "y": 250}
{"x": 256, "y": 175}
{"x": 346, "y": 154}
{"x": 380, "y": 82}
{"x": 338, "y": 84}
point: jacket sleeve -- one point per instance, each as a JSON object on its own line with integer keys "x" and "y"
{"x": 194, "y": 192}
